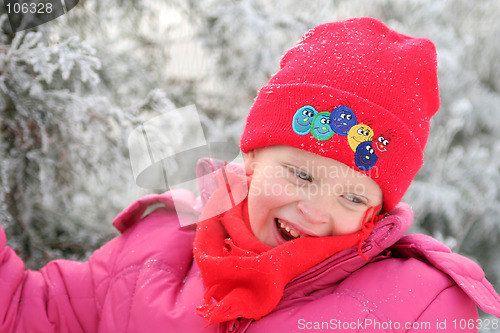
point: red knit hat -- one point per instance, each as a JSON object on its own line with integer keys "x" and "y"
{"x": 357, "y": 92}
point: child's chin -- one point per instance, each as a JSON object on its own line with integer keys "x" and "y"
{"x": 269, "y": 240}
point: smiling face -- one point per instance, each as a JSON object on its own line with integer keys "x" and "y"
{"x": 342, "y": 119}
{"x": 382, "y": 144}
{"x": 294, "y": 193}
{"x": 358, "y": 134}
{"x": 320, "y": 128}
{"x": 302, "y": 119}
{"x": 365, "y": 157}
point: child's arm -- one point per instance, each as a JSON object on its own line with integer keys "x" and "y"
{"x": 113, "y": 290}
{"x": 60, "y": 297}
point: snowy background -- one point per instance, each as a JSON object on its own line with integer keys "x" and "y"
{"x": 72, "y": 90}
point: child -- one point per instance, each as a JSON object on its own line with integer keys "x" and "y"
{"x": 313, "y": 238}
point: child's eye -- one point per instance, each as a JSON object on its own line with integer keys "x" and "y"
{"x": 299, "y": 174}
{"x": 353, "y": 198}
{"x": 303, "y": 175}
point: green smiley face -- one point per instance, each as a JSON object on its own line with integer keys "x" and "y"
{"x": 320, "y": 128}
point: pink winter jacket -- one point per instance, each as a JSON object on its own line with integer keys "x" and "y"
{"x": 146, "y": 280}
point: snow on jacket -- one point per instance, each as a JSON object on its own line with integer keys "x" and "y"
{"x": 146, "y": 280}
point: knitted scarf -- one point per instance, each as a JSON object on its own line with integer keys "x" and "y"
{"x": 243, "y": 276}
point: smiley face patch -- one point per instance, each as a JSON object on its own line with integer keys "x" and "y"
{"x": 367, "y": 145}
{"x": 302, "y": 120}
{"x": 382, "y": 143}
{"x": 342, "y": 119}
{"x": 365, "y": 157}
{"x": 320, "y": 128}
{"x": 357, "y": 134}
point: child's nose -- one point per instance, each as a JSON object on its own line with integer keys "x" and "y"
{"x": 314, "y": 213}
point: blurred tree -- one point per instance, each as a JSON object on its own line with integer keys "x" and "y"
{"x": 64, "y": 120}
{"x": 49, "y": 157}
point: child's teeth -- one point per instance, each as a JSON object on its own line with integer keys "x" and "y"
{"x": 294, "y": 233}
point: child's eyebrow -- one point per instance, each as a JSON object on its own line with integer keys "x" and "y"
{"x": 292, "y": 160}
{"x": 292, "y": 164}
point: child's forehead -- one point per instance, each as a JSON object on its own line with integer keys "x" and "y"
{"x": 308, "y": 161}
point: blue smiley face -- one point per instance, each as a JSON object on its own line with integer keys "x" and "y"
{"x": 302, "y": 120}
{"x": 365, "y": 156}
{"x": 320, "y": 128}
{"x": 342, "y": 119}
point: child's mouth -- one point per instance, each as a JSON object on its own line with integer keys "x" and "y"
{"x": 287, "y": 231}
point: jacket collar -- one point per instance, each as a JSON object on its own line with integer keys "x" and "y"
{"x": 387, "y": 232}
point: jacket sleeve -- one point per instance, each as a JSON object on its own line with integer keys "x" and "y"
{"x": 93, "y": 296}
{"x": 463, "y": 318}
{"x": 58, "y": 298}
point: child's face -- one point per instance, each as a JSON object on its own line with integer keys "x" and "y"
{"x": 295, "y": 193}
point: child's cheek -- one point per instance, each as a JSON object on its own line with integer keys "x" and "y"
{"x": 346, "y": 223}
{"x": 277, "y": 191}
{"x": 264, "y": 198}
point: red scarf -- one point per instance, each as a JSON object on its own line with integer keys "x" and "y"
{"x": 243, "y": 276}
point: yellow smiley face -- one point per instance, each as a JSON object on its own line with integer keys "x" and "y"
{"x": 357, "y": 134}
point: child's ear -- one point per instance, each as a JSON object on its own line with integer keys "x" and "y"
{"x": 249, "y": 162}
